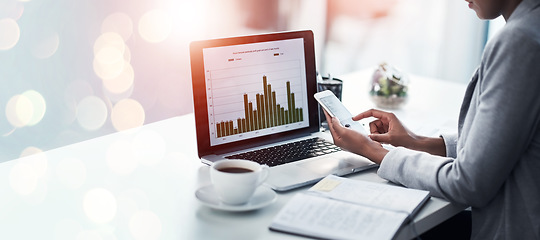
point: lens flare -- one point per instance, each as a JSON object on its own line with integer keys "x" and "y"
{"x": 189, "y": 17}
{"x": 10, "y": 33}
{"x": 155, "y": 26}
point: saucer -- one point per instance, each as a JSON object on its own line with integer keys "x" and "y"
{"x": 262, "y": 197}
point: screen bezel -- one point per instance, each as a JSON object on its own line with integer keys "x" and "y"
{"x": 199, "y": 89}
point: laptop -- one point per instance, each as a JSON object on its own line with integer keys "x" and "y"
{"x": 253, "y": 99}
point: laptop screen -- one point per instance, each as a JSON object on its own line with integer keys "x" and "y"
{"x": 254, "y": 87}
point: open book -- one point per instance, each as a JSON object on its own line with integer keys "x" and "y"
{"x": 341, "y": 208}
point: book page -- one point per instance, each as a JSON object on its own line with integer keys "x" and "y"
{"x": 319, "y": 217}
{"x": 372, "y": 194}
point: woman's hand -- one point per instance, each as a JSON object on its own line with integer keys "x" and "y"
{"x": 389, "y": 130}
{"x": 354, "y": 141}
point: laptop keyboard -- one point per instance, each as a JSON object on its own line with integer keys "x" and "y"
{"x": 289, "y": 152}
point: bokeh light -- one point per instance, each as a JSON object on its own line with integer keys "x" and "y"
{"x": 122, "y": 82}
{"x": 126, "y": 114}
{"x": 10, "y": 33}
{"x": 155, "y": 26}
{"x": 30, "y": 151}
{"x": 109, "y": 55}
{"x": 109, "y": 40}
{"x": 145, "y": 225}
{"x": 11, "y": 9}
{"x": 19, "y": 111}
{"x": 46, "y": 47}
{"x": 26, "y": 109}
{"x": 39, "y": 106}
{"x": 108, "y": 63}
{"x": 119, "y": 23}
{"x": 91, "y": 113}
{"x": 120, "y": 158}
{"x": 99, "y": 205}
{"x": 71, "y": 172}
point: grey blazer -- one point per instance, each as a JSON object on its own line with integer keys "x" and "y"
{"x": 493, "y": 163}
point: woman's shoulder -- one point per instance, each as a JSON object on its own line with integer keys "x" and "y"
{"x": 525, "y": 26}
{"x": 518, "y": 35}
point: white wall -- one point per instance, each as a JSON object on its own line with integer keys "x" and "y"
{"x": 441, "y": 39}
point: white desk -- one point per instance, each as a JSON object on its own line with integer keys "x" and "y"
{"x": 140, "y": 184}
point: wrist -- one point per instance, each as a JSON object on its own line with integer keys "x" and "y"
{"x": 432, "y": 145}
{"x": 376, "y": 153}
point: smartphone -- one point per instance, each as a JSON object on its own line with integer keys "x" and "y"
{"x": 335, "y": 108}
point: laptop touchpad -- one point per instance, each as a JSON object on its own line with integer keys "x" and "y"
{"x": 326, "y": 166}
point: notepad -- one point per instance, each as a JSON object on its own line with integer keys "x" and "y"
{"x": 341, "y": 208}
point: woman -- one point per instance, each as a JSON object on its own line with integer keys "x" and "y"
{"x": 493, "y": 163}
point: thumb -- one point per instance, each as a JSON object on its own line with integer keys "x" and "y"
{"x": 336, "y": 126}
{"x": 382, "y": 138}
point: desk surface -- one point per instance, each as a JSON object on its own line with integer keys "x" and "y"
{"x": 140, "y": 183}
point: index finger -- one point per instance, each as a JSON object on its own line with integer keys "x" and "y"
{"x": 370, "y": 113}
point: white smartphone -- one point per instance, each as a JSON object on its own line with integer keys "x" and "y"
{"x": 335, "y": 108}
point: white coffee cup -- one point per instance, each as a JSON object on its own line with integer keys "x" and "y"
{"x": 236, "y": 180}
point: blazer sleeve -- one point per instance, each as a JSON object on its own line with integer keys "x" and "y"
{"x": 450, "y": 141}
{"x": 496, "y": 133}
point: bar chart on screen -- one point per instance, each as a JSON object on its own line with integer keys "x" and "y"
{"x": 255, "y": 100}
{"x": 266, "y": 113}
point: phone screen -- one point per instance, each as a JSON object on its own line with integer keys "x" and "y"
{"x": 335, "y": 107}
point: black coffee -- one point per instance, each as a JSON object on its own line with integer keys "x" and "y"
{"x": 235, "y": 170}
